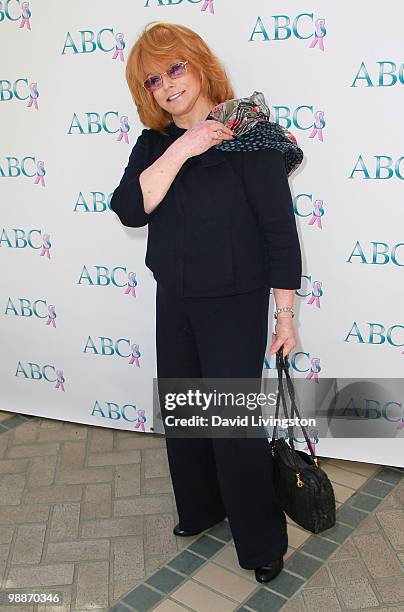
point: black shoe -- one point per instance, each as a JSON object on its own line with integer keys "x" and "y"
{"x": 181, "y": 532}
{"x": 267, "y": 572}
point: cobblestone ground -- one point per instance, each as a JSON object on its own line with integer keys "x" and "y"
{"x": 89, "y": 512}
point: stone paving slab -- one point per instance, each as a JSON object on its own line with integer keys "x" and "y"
{"x": 89, "y": 511}
{"x": 84, "y": 510}
{"x": 356, "y": 565}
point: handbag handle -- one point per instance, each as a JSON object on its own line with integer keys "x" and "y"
{"x": 281, "y": 394}
{"x": 282, "y": 365}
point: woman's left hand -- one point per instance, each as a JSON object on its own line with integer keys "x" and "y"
{"x": 284, "y": 336}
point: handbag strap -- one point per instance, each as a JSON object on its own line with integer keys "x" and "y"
{"x": 281, "y": 394}
{"x": 283, "y": 366}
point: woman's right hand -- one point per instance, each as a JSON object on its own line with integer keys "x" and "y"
{"x": 202, "y": 136}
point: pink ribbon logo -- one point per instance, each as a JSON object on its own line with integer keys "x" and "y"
{"x": 33, "y": 95}
{"x": 26, "y": 14}
{"x": 119, "y": 46}
{"x": 316, "y": 293}
{"x": 124, "y": 129}
{"x": 141, "y": 420}
{"x": 132, "y": 282}
{"x": 135, "y": 355}
{"x": 46, "y": 245}
{"x": 51, "y": 316}
{"x": 319, "y": 34}
{"x": 314, "y": 369}
{"x": 319, "y": 124}
{"x": 40, "y": 173}
{"x": 60, "y": 380}
{"x": 317, "y": 213}
{"x": 208, "y": 4}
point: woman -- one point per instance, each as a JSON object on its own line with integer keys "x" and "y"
{"x": 222, "y": 232}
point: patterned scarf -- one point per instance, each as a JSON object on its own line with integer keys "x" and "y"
{"x": 253, "y": 129}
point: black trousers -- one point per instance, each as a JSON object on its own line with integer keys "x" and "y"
{"x": 218, "y": 477}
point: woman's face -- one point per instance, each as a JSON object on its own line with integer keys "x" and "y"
{"x": 188, "y": 86}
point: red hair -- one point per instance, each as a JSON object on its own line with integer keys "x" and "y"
{"x": 159, "y": 43}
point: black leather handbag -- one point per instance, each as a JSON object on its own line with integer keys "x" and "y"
{"x": 303, "y": 489}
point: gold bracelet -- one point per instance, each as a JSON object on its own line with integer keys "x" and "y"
{"x": 284, "y": 309}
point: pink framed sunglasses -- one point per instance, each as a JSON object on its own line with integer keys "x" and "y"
{"x": 155, "y": 81}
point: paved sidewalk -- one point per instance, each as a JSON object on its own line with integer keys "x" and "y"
{"x": 356, "y": 565}
{"x": 89, "y": 511}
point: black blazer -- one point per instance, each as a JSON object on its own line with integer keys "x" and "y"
{"x": 226, "y": 224}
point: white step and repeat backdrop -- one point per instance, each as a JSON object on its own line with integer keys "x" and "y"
{"x": 77, "y": 302}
